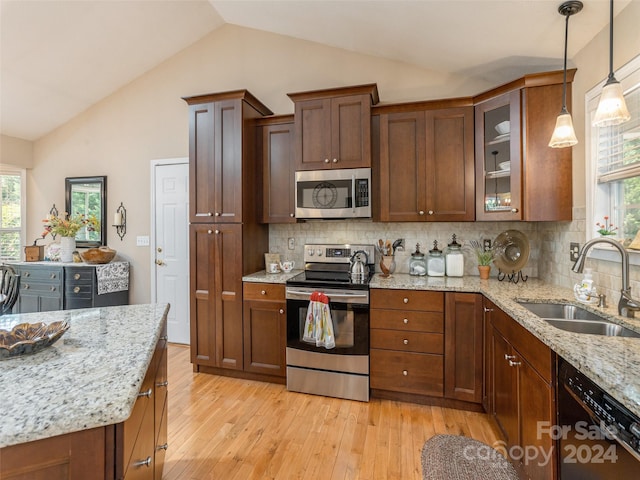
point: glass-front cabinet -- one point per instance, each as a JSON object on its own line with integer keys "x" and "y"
{"x": 498, "y": 161}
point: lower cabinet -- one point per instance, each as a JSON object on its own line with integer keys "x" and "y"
{"x": 130, "y": 450}
{"x": 265, "y": 328}
{"x": 520, "y": 371}
{"x": 407, "y": 342}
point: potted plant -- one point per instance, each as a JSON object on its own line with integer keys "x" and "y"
{"x": 606, "y": 229}
{"x": 485, "y": 258}
{"x": 67, "y": 227}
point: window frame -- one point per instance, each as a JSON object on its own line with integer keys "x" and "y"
{"x": 22, "y": 172}
{"x": 629, "y": 77}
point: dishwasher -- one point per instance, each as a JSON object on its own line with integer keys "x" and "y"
{"x": 598, "y": 437}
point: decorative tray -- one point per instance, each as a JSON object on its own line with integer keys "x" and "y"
{"x": 27, "y": 338}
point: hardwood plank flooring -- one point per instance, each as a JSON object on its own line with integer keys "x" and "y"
{"x": 225, "y": 429}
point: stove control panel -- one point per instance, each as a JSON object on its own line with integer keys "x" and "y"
{"x": 321, "y": 253}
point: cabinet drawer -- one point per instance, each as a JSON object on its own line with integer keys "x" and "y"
{"x": 407, "y": 321}
{"x": 37, "y": 287}
{"x": 74, "y": 275}
{"x": 264, "y": 291}
{"x": 132, "y": 425}
{"x": 407, "y": 300}
{"x": 48, "y": 275}
{"x": 418, "y": 373}
{"x": 78, "y": 290}
{"x": 418, "y": 342}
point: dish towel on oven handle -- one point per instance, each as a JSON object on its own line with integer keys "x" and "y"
{"x": 318, "y": 326}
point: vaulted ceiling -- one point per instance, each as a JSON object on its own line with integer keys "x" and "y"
{"x": 57, "y": 58}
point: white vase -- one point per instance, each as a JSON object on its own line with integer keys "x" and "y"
{"x": 67, "y": 247}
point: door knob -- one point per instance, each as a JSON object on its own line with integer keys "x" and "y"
{"x": 160, "y": 262}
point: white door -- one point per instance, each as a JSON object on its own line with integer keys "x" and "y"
{"x": 170, "y": 254}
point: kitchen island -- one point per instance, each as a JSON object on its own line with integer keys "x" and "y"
{"x": 97, "y": 382}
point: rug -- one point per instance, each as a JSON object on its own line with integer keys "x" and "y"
{"x": 455, "y": 457}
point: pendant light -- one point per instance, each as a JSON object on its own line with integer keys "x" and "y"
{"x": 564, "y": 135}
{"x": 612, "y": 109}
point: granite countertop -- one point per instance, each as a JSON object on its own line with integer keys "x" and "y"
{"x": 263, "y": 277}
{"x": 611, "y": 362}
{"x": 89, "y": 378}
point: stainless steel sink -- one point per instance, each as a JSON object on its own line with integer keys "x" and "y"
{"x": 578, "y": 320}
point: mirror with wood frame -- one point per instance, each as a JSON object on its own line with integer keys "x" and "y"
{"x": 88, "y": 196}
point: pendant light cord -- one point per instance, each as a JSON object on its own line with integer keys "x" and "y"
{"x": 564, "y": 78}
{"x": 611, "y": 40}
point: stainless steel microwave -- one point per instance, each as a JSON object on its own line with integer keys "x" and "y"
{"x": 339, "y": 193}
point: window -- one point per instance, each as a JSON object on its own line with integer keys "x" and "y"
{"x": 12, "y": 216}
{"x": 615, "y": 162}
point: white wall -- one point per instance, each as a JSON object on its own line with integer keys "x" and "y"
{"x": 16, "y": 152}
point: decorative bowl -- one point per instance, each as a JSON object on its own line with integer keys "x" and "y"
{"x": 503, "y": 127}
{"x": 27, "y": 338}
{"x": 98, "y": 256}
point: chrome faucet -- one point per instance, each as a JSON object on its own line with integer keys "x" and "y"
{"x": 627, "y": 305}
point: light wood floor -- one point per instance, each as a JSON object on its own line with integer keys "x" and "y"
{"x": 226, "y": 429}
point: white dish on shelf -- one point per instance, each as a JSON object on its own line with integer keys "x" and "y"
{"x": 505, "y": 165}
{"x": 501, "y": 138}
{"x": 503, "y": 128}
{"x": 498, "y": 174}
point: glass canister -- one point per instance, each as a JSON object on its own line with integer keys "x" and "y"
{"x": 435, "y": 262}
{"x": 417, "y": 264}
{"x": 454, "y": 259}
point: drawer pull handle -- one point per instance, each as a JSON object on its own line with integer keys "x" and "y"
{"x": 405, "y": 320}
{"x": 281, "y": 310}
{"x": 405, "y": 300}
{"x": 162, "y": 384}
{"x": 263, "y": 292}
{"x": 76, "y": 276}
{"x": 405, "y": 373}
{"x": 509, "y": 357}
{"x": 76, "y": 289}
{"x": 162, "y": 447}
{"x": 405, "y": 341}
{"x": 52, "y": 288}
{"x": 52, "y": 276}
{"x": 146, "y": 394}
{"x": 486, "y": 310}
{"x": 143, "y": 463}
{"x": 514, "y": 364}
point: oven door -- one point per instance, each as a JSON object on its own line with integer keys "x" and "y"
{"x": 349, "y": 313}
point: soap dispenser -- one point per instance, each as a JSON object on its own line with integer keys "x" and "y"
{"x": 585, "y": 291}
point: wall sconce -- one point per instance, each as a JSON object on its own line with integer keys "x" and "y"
{"x": 612, "y": 109}
{"x": 120, "y": 221}
{"x": 564, "y": 134}
{"x": 54, "y": 212}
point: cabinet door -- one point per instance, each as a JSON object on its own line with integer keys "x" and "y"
{"x": 498, "y": 159}
{"x": 201, "y": 162}
{"x": 505, "y": 400}
{"x": 402, "y": 167}
{"x": 351, "y": 131}
{"x": 463, "y": 347}
{"x": 450, "y": 182}
{"x": 265, "y": 332}
{"x": 313, "y": 134}
{"x": 279, "y": 173}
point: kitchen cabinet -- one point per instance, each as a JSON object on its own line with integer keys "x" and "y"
{"x": 45, "y": 286}
{"x": 265, "y": 329}
{"x": 425, "y": 162}
{"x": 222, "y": 147}
{"x": 227, "y": 237}
{"x": 463, "y": 347}
{"x": 407, "y": 342}
{"x": 333, "y": 127}
{"x": 278, "y": 166}
{"x": 522, "y": 389}
{"x": 518, "y": 176}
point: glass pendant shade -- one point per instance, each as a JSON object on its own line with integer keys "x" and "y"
{"x": 563, "y": 135}
{"x": 612, "y": 109}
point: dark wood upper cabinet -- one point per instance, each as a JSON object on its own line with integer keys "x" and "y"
{"x": 518, "y": 176}
{"x": 333, "y": 127}
{"x": 425, "y": 164}
{"x": 278, "y": 167}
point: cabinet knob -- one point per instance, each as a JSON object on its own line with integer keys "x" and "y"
{"x": 143, "y": 463}
{"x": 405, "y": 300}
{"x": 146, "y": 393}
{"x": 405, "y": 372}
{"x": 26, "y": 286}
{"x": 405, "y": 320}
{"x": 217, "y": 214}
{"x": 162, "y": 384}
{"x": 76, "y": 289}
{"x": 209, "y": 214}
{"x": 405, "y": 341}
{"x": 292, "y": 215}
{"x": 514, "y": 364}
{"x": 514, "y": 210}
{"x": 263, "y": 292}
{"x": 421, "y": 212}
{"x": 335, "y": 160}
{"x": 281, "y": 311}
{"x": 326, "y": 160}
{"x": 52, "y": 276}
{"x": 217, "y": 232}
{"x": 76, "y": 276}
{"x": 27, "y": 274}
{"x": 53, "y": 288}
{"x": 209, "y": 232}
{"x": 162, "y": 447}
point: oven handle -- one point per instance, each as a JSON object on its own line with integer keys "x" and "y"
{"x": 330, "y": 295}
{"x": 612, "y": 431}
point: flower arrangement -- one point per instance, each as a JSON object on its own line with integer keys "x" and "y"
{"x": 485, "y": 257}
{"x": 606, "y": 228}
{"x": 68, "y": 226}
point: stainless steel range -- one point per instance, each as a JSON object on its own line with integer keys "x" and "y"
{"x": 342, "y": 274}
